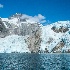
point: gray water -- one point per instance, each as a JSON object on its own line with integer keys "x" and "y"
{"x": 25, "y": 61}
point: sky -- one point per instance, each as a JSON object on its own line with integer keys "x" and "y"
{"x": 50, "y": 10}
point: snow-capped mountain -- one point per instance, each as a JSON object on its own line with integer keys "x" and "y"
{"x": 19, "y": 34}
{"x": 56, "y": 37}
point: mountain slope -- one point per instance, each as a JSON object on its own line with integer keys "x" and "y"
{"x": 56, "y": 36}
{"x": 24, "y": 35}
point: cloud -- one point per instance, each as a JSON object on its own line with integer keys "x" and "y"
{"x": 37, "y": 18}
{"x": 1, "y": 6}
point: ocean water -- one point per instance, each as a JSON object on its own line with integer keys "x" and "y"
{"x": 25, "y": 61}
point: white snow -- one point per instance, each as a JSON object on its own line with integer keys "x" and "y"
{"x": 13, "y": 43}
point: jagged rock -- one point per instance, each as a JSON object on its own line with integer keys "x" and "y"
{"x": 3, "y": 30}
{"x": 61, "y": 29}
{"x": 60, "y": 45}
{"x": 34, "y": 39}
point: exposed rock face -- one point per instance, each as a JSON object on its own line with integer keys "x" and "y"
{"x": 60, "y": 45}
{"x": 61, "y": 29}
{"x": 34, "y": 40}
{"x": 3, "y": 30}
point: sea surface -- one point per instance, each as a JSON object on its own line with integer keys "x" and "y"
{"x": 26, "y": 61}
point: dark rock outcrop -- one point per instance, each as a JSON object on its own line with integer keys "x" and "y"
{"x": 61, "y": 29}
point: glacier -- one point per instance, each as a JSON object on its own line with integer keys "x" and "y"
{"x": 25, "y": 35}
